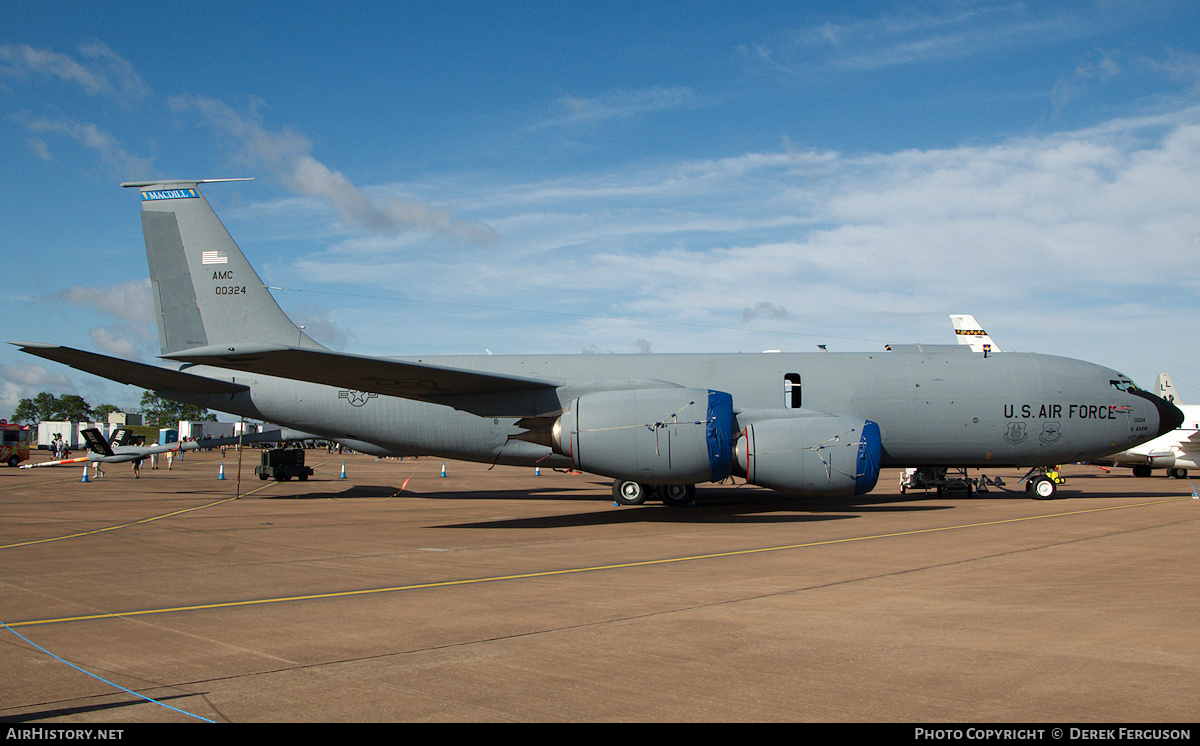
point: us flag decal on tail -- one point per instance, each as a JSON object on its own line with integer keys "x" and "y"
{"x": 214, "y": 257}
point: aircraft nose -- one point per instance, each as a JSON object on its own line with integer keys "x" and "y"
{"x": 1170, "y": 417}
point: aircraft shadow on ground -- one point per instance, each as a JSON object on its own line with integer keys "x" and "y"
{"x": 719, "y": 506}
{"x": 83, "y": 709}
{"x": 713, "y": 505}
{"x": 376, "y": 491}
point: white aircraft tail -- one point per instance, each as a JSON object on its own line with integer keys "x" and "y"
{"x": 1165, "y": 388}
{"x": 969, "y": 332}
{"x": 205, "y": 292}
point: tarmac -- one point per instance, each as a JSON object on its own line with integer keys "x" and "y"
{"x": 397, "y": 594}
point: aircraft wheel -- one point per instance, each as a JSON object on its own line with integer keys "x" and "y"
{"x": 629, "y": 493}
{"x": 1175, "y": 473}
{"x": 1142, "y": 470}
{"x": 677, "y": 495}
{"x": 1042, "y": 488}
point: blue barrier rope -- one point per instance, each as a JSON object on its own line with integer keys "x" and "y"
{"x": 106, "y": 681}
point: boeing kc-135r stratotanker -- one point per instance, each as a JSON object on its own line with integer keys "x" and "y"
{"x": 812, "y": 424}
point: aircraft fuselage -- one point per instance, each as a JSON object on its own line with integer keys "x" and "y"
{"x": 933, "y": 408}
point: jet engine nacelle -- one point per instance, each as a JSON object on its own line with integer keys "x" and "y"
{"x": 651, "y": 436}
{"x": 825, "y": 456}
{"x": 1161, "y": 460}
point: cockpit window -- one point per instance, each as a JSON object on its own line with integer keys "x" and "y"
{"x": 1123, "y": 384}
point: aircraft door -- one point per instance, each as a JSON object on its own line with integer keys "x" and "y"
{"x": 791, "y": 391}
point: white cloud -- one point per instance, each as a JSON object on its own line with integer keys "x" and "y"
{"x": 286, "y": 155}
{"x": 914, "y": 35}
{"x": 622, "y": 104}
{"x": 25, "y": 381}
{"x": 91, "y": 137}
{"x": 129, "y": 301}
{"x": 123, "y": 80}
{"x": 40, "y": 149}
{"x": 124, "y": 342}
{"x": 108, "y": 74}
{"x": 320, "y": 326}
{"x": 1016, "y": 232}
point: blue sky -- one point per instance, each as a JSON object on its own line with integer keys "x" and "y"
{"x": 617, "y": 177}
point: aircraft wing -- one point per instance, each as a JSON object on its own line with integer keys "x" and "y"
{"x": 125, "y": 371}
{"x": 472, "y": 390}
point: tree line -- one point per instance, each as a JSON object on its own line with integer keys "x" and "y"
{"x": 155, "y": 410}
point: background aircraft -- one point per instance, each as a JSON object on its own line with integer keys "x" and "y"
{"x": 807, "y": 423}
{"x": 118, "y": 449}
{"x": 121, "y": 449}
{"x": 970, "y": 333}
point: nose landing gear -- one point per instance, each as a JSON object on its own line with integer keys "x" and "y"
{"x": 1042, "y": 482}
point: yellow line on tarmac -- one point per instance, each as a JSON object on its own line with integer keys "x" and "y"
{"x": 132, "y": 523}
{"x": 570, "y": 571}
{"x": 31, "y": 485}
{"x": 144, "y": 520}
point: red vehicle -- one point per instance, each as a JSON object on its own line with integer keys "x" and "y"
{"x": 15, "y": 447}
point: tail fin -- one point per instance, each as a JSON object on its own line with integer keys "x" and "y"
{"x": 96, "y": 442}
{"x": 1165, "y": 388}
{"x": 969, "y": 332}
{"x": 205, "y": 292}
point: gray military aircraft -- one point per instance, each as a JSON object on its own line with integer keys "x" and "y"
{"x": 811, "y": 424}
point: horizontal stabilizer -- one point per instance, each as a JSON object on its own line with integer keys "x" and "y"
{"x": 125, "y": 371}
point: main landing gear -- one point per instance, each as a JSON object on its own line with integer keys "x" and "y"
{"x": 635, "y": 493}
